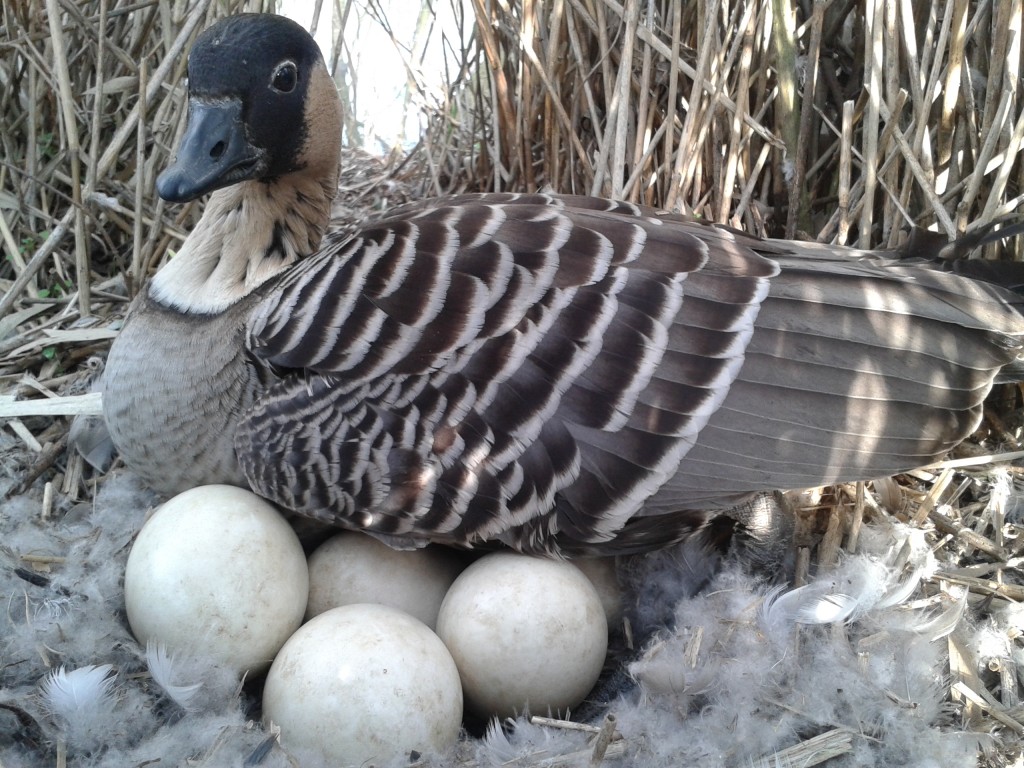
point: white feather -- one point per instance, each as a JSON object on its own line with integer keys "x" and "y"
{"x": 81, "y": 703}
{"x": 900, "y": 592}
{"x": 68, "y": 694}
{"x": 946, "y": 621}
{"x": 816, "y": 603}
{"x": 161, "y": 667}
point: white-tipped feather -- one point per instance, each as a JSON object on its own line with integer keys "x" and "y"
{"x": 161, "y": 668}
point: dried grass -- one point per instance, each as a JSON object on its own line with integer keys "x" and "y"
{"x": 839, "y": 120}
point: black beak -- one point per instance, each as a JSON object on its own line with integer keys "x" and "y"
{"x": 214, "y": 152}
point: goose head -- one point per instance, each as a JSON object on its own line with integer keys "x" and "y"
{"x": 261, "y": 106}
{"x": 264, "y": 137}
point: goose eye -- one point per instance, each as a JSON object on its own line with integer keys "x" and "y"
{"x": 285, "y": 77}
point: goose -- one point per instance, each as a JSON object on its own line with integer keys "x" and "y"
{"x": 556, "y": 374}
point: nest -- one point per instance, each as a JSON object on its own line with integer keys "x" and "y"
{"x": 838, "y": 121}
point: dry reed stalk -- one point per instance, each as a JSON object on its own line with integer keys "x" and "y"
{"x": 926, "y": 144}
{"x": 813, "y": 751}
{"x": 69, "y": 123}
{"x": 619, "y": 106}
{"x": 787, "y": 111}
{"x": 845, "y": 173}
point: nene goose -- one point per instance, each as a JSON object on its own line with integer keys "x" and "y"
{"x": 557, "y": 374}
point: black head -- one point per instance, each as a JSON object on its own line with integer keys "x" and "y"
{"x": 253, "y": 83}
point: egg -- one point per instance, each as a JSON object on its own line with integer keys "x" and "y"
{"x": 603, "y": 574}
{"x": 217, "y": 573}
{"x": 354, "y": 568}
{"x": 363, "y": 683}
{"x": 526, "y": 634}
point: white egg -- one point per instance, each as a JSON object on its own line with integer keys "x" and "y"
{"x": 603, "y": 574}
{"x": 354, "y": 568}
{"x": 525, "y": 633}
{"x": 363, "y": 683}
{"x": 219, "y": 574}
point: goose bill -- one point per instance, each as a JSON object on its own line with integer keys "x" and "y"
{"x": 214, "y": 152}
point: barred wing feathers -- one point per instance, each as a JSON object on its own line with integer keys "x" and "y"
{"x": 534, "y": 369}
{"x": 856, "y": 370}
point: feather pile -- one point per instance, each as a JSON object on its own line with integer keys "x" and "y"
{"x": 736, "y": 673}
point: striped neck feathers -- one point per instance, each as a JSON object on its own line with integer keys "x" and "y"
{"x": 248, "y": 233}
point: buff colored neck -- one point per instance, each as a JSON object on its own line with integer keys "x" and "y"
{"x": 248, "y": 233}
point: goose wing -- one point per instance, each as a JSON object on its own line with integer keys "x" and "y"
{"x": 855, "y": 371}
{"x": 534, "y": 369}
